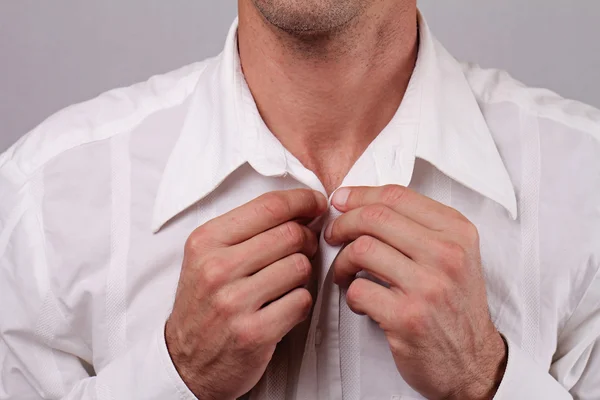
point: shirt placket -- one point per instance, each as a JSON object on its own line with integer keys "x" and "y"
{"x": 321, "y": 370}
{"x": 320, "y": 373}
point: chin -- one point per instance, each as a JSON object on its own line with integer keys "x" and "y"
{"x": 309, "y": 17}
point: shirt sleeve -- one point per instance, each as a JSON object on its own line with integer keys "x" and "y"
{"x": 575, "y": 370}
{"x": 39, "y": 357}
{"x": 144, "y": 372}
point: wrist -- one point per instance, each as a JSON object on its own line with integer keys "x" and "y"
{"x": 175, "y": 352}
{"x": 181, "y": 358}
{"x": 487, "y": 376}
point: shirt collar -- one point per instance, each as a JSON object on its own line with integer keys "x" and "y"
{"x": 439, "y": 121}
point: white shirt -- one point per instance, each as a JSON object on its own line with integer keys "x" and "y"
{"x": 97, "y": 202}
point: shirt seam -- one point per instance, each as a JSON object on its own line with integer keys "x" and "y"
{"x": 525, "y": 107}
{"x": 40, "y": 225}
{"x": 129, "y": 121}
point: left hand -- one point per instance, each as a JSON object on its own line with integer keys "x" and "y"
{"x": 435, "y": 313}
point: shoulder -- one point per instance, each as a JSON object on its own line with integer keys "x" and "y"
{"x": 546, "y": 141}
{"x": 98, "y": 120}
{"x": 566, "y": 130}
{"x": 493, "y": 87}
{"x": 551, "y": 148}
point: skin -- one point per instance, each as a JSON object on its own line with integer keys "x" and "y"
{"x": 343, "y": 66}
{"x": 435, "y": 312}
{"x": 331, "y": 74}
{"x": 240, "y": 291}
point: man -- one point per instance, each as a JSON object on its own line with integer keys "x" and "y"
{"x": 174, "y": 240}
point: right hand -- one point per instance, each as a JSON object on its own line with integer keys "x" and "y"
{"x": 240, "y": 291}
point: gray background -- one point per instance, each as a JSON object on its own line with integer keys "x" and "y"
{"x": 55, "y": 53}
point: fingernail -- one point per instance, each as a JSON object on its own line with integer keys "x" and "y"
{"x": 328, "y": 230}
{"x": 340, "y": 197}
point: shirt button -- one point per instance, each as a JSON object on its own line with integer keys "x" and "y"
{"x": 318, "y": 337}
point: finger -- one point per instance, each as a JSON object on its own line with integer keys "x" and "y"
{"x": 403, "y": 200}
{"x": 380, "y": 260}
{"x": 265, "y": 212}
{"x": 282, "y": 315}
{"x": 379, "y": 221}
{"x": 365, "y": 297}
{"x": 270, "y": 246}
{"x": 277, "y": 279}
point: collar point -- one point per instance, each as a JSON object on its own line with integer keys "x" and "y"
{"x": 513, "y": 211}
{"x": 156, "y": 226}
{"x": 509, "y": 202}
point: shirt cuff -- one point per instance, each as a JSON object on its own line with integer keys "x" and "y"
{"x": 146, "y": 372}
{"x": 524, "y": 379}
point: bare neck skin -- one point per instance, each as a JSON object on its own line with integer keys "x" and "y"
{"x": 327, "y": 91}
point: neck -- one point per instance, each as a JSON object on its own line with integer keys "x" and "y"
{"x": 319, "y": 91}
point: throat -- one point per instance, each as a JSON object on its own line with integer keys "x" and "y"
{"x": 326, "y": 100}
{"x": 331, "y": 165}
{"x": 331, "y": 181}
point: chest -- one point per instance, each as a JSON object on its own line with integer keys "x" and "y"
{"x": 341, "y": 352}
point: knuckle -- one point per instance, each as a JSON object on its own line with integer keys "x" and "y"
{"x": 354, "y": 293}
{"x": 450, "y": 255}
{"x": 397, "y": 346}
{"x": 374, "y": 214}
{"x": 430, "y": 294}
{"x": 393, "y": 194}
{"x": 362, "y": 246}
{"x": 227, "y": 302}
{"x": 302, "y": 265}
{"x": 453, "y": 213}
{"x": 311, "y": 246}
{"x": 293, "y": 234}
{"x": 195, "y": 242}
{"x": 307, "y": 199}
{"x": 465, "y": 228}
{"x": 457, "y": 215}
{"x": 305, "y": 302}
{"x": 471, "y": 233}
{"x": 435, "y": 292}
{"x": 273, "y": 205}
{"x": 247, "y": 335}
{"x": 215, "y": 273}
{"x": 415, "y": 319}
{"x": 263, "y": 354}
